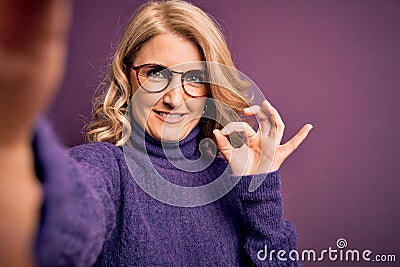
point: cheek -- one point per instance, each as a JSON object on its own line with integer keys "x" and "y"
{"x": 196, "y": 105}
{"x": 142, "y": 105}
{"x": 141, "y": 101}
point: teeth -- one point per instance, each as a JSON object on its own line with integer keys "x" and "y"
{"x": 169, "y": 115}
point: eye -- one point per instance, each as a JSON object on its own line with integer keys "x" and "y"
{"x": 195, "y": 76}
{"x": 156, "y": 73}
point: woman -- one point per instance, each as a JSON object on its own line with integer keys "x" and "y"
{"x": 159, "y": 87}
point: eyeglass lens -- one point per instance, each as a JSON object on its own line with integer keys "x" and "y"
{"x": 156, "y": 78}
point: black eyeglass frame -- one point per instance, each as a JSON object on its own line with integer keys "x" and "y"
{"x": 137, "y": 70}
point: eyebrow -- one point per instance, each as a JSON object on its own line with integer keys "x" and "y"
{"x": 199, "y": 68}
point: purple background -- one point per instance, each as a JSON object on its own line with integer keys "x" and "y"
{"x": 335, "y": 64}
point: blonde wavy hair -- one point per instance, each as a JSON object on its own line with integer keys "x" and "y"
{"x": 158, "y": 17}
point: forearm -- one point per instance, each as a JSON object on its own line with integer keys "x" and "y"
{"x": 264, "y": 223}
{"x": 20, "y": 202}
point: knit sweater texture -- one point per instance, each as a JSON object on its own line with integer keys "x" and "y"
{"x": 94, "y": 212}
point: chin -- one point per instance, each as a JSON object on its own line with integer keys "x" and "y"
{"x": 170, "y": 133}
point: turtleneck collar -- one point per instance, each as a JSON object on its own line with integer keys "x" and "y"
{"x": 188, "y": 146}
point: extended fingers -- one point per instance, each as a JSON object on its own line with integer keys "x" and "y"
{"x": 269, "y": 119}
{"x": 277, "y": 123}
{"x": 296, "y": 140}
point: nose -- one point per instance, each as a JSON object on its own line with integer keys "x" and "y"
{"x": 174, "y": 95}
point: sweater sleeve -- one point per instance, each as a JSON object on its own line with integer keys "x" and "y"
{"x": 77, "y": 214}
{"x": 99, "y": 161}
{"x": 266, "y": 232}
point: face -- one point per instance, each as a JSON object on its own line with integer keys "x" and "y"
{"x": 169, "y": 115}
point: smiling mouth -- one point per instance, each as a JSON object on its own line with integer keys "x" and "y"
{"x": 170, "y": 117}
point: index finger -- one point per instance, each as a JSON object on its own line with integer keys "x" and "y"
{"x": 269, "y": 119}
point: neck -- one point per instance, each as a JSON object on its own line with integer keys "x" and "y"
{"x": 185, "y": 148}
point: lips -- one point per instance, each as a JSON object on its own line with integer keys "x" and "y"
{"x": 170, "y": 117}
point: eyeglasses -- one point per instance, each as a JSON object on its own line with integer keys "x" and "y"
{"x": 155, "y": 78}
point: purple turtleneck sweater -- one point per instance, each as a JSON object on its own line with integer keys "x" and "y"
{"x": 95, "y": 212}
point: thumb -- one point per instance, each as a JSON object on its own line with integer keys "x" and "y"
{"x": 223, "y": 144}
